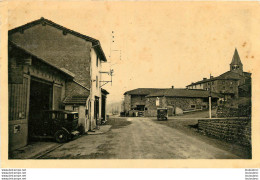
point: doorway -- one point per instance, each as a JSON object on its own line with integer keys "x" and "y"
{"x": 40, "y": 99}
{"x": 96, "y": 109}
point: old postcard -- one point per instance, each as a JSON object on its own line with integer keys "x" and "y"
{"x": 130, "y": 84}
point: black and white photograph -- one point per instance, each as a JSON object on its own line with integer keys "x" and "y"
{"x": 94, "y": 80}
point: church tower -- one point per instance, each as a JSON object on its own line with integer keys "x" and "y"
{"x": 236, "y": 64}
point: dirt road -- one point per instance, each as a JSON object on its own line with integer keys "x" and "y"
{"x": 139, "y": 138}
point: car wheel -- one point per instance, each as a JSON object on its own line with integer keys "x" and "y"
{"x": 61, "y": 136}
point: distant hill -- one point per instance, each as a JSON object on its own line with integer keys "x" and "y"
{"x": 114, "y": 107}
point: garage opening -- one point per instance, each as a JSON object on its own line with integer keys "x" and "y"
{"x": 40, "y": 99}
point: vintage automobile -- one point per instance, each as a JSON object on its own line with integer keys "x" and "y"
{"x": 62, "y": 125}
{"x": 162, "y": 114}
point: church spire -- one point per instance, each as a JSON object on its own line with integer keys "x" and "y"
{"x": 236, "y": 64}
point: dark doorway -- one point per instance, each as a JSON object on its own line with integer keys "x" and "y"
{"x": 96, "y": 109}
{"x": 103, "y": 108}
{"x": 40, "y": 99}
{"x": 140, "y": 107}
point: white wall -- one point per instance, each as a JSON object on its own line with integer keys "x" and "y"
{"x": 81, "y": 111}
{"x": 95, "y": 89}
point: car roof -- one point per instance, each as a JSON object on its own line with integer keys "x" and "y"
{"x": 61, "y": 111}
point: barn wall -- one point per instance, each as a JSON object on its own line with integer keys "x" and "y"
{"x": 19, "y": 94}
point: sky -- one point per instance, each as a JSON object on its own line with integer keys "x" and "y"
{"x": 162, "y": 44}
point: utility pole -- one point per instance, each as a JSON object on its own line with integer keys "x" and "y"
{"x": 210, "y": 97}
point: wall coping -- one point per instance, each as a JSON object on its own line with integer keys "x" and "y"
{"x": 227, "y": 118}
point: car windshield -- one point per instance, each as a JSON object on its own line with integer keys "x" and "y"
{"x": 71, "y": 116}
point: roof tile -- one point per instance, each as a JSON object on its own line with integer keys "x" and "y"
{"x": 75, "y": 100}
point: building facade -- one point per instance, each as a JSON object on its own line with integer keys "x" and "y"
{"x": 77, "y": 56}
{"x": 135, "y": 100}
{"x": 229, "y": 83}
{"x": 177, "y": 101}
{"x": 33, "y": 85}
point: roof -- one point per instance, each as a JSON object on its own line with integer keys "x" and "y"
{"x": 247, "y": 74}
{"x": 78, "y": 100}
{"x": 61, "y": 110}
{"x": 104, "y": 91}
{"x": 143, "y": 91}
{"x": 62, "y": 70}
{"x": 96, "y": 43}
{"x": 75, "y": 90}
{"x": 236, "y": 58}
{"x": 81, "y": 85}
{"x": 229, "y": 75}
{"x": 191, "y": 93}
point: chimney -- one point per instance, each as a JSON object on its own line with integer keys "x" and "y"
{"x": 172, "y": 87}
{"x": 211, "y": 77}
{"x": 204, "y": 78}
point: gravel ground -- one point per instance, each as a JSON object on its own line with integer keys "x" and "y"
{"x": 144, "y": 138}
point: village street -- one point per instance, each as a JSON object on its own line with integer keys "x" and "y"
{"x": 142, "y": 138}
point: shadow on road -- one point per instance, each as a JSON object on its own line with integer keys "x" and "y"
{"x": 118, "y": 122}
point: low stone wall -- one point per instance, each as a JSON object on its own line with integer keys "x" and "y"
{"x": 241, "y": 111}
{"x": 235, "y": 130}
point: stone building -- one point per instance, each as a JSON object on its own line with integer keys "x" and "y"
{"x": 134, "y": 100}
{"x": 230, "y": 84}
{"x": 178, "y": 101}
{"x": 148, "y": 100}
{"x": 33, "y": 85}
{"x": 70, "y": 55}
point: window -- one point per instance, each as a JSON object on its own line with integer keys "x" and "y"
{"x": 97, "y": 81}
{"x": 53, "y": 115}
{"x": 157, "y": 102}
{"x": 75, "y": 108}
{"x": 193, "y": 106}
{"x": 212, "y": 82}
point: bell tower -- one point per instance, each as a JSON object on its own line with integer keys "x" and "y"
{"x": 236, "y": 64}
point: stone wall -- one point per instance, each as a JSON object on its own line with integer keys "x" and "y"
{"x": 137, "y": 100}
{"x": 127, "y": 103}
{"x": 151, "y": 108}
{"x": 241, "y": 111}
{"x": 235, "y": 130}
{"x": 186, "y": 103}
{"x": 181, "y": 103}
